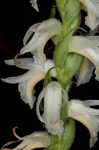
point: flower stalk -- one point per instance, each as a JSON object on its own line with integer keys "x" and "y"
{"x": 74, "y": 55}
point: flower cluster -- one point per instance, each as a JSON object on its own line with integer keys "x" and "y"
{"x": 57, "y": 107}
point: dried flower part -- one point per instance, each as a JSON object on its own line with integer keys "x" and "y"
{"x": 92, "y": 7}
{"x": 28, "y": 80}
{"x": 89, "y": 117}
{"x": 87, "y": 47}
{"x": 42, "y": 33}
{"x": 52, "y": 95}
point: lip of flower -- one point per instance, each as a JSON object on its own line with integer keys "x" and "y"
{"x": 28, "y": 80}
{"x": 92, "y": 20}
{"x": 52, "y": 95}
{"x": 42, "y": 33}
{"x": 82, "y": 112}
{"x": 32, "y": 141}
{"x": 87, "y": 47}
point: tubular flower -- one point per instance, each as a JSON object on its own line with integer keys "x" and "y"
{"x": 42, "y": 33}
{"x": 27, "y": 81}
{"x": 89, "y": 48}
{"x": 52, "y": 95}
{"x": 33, "y": 141}
{"x": 92, "y": 6}
{"x": 81, "y": 111}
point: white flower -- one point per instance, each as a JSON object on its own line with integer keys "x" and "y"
{"x": 27, "y": 81}
{"x": 52, "y": 95}
{"x": 32, "y": 141}
{"x": 92, "y": 6}
{"x": 42, "y": 33}
{"x": 89, "y": 48}
{"x": 81, "y": 111}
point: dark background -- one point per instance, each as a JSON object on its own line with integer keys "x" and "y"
{"x": 15, "y": 18}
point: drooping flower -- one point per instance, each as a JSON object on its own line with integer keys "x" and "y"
{"x": 82, "y": 112}
{"x": 27, "y": 81}
{"x": 52, "y": 95}
{"x": 92, "y": 8}
{"x": 32, "y": 141}
{"x": 42, "y": 33}
{"x": 89, "y": 48}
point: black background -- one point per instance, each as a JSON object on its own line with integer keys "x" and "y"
{"x": 15, "y": 18}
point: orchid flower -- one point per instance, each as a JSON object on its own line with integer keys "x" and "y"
{"x": 52, "y": 95}
{"x": 82, "y": 112}
{"x": 42, "y": 33}
{"x": 32, "y": 141}
{"x": 28, "y": 80}
{"x": 89, "y": 48}
{"x": 92, "y": 7}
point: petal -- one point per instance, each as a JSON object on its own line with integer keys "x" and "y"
{"x": 79, "y": 111}
{"x": 88, "y": 47}
{"x": 29, "y": 32}
{"x": 34, "y": 140}
{"x": 92, "y": 102}
{"x": 52, "y": 108}
{"x": 16, "y": 79}
{"x": 44, "y": 32}
{"x": 23, "y": 63}
{"x": 26, "y": 88}
{"x": 92, "y": 20}
{"x": 34, "y": 4}
{"x": 85, "y": 72}
{"x": 48, "y": 65}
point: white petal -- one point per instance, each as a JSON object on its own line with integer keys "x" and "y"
{"x": 92, "y": 21}
{"x": 80, "y": 111}
{"x": 23, "y": 63}
{"x": 44, "y": 32}
{"x": 34, "y": 4}
{"x": 34, "y": 140}
{"x": 52, "y": 107}
{"x": 16, "y": 79}
{"x": 85, "y": 72}
{"x": 48, "y": 65}
{"x": 29, "y": 32}
{"x": 26, "y": 88}
{"x": 92, "y": 6}
{"x": 88, "y": 47}
{"x": 92, "y": 102}
{"x": 40, "y": 98}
